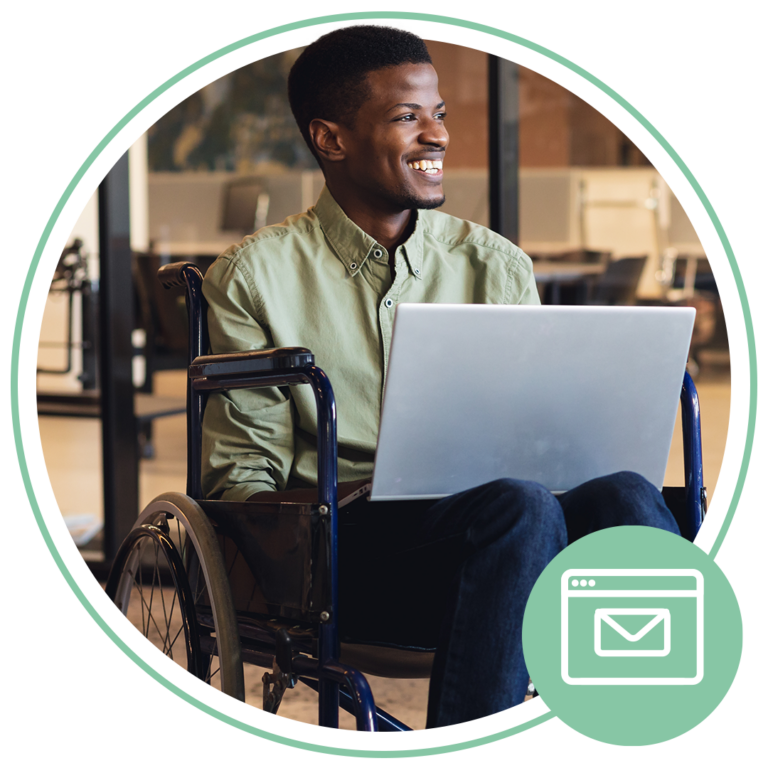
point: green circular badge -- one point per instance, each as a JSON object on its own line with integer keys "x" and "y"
{"x": 632, "y": 635}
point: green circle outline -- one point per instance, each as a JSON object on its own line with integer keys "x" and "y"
{"x": 368, "y": 15}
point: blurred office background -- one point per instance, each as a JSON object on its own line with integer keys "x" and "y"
{"x": 526, "y": 157}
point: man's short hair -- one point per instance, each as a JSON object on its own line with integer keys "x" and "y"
{"x": 328, "y": 80}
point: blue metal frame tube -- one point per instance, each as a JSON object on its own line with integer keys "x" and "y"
{"x": 355, "y": 693}
{"x": 360, "y": 704}
{"x": 694, "y": 471}
{"x": 328, "y": 641}
{"x": 198, "y": 345}
{"x": 355, "y": 684}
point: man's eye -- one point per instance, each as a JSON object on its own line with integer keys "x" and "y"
{"x": 410, "y": 117}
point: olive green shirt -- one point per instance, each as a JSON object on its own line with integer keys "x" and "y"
{"x": 318, "y": 281}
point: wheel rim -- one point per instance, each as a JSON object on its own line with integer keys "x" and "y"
{"x": 192, "y": 541}
{"x": 200, "y": 599}
{"x": 153, "y": 594}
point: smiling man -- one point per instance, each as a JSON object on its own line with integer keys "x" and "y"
{"x": 386, "y": 160}
{"x": 452, "y": 574}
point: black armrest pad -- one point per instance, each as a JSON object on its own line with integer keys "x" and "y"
{"x": 246, "y": 363}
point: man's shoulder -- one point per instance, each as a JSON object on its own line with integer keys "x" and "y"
{"x": 454, "y": 232}
{"x": 268, "y": 244}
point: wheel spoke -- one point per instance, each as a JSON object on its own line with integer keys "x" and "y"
{"x": 209, "y": 675}
{"x": 152, "y": 593}
{"x": 151, "y": 618}
{"x": 176, "y": 636}
{"x": 173, "y": 605}
{"x": 162, "y": 602}
{"x": 151, "y": 598}
{"x": 163, "y": 618}
{"x": 147, "y": 618}
{"x": 141, "y": 586}
{"x": 199, "y": 582}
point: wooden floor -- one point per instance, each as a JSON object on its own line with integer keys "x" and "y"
{"x": 72, "y": 449}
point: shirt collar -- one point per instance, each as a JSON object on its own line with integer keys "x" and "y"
{"x": 353, "y": 246}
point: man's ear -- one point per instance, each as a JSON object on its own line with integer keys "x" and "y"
{"x": 325, "y": 137}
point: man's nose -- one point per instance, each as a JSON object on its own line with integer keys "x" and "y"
{"x": 435, "y": 133}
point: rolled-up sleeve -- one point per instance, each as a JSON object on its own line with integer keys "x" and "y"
{"x": 247, "y": 434}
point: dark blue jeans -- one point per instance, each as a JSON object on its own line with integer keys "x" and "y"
{"x": 455, "y": 575}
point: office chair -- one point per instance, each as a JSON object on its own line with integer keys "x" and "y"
{"x": 618, "y": 284}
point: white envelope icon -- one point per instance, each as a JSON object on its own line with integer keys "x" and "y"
{"x": 607, "y": 625}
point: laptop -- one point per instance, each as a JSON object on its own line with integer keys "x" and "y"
{"x": 554, "y": 394}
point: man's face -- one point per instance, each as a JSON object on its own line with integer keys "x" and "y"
{"x": 394, "y": 153}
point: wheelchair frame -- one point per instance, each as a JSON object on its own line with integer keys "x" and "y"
{"x": 307, "y": 651}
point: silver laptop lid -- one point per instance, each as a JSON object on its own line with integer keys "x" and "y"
{"x": 559, "y": 395}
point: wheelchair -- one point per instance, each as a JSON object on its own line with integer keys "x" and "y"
{"x": 215, "y": 584}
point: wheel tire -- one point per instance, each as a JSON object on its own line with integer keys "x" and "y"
{"x": 174, "y": 527}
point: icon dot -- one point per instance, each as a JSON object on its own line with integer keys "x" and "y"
{"x": 575, "y": 583}
{"x": 583, "y": 582}
{"x": 591, "y": 582}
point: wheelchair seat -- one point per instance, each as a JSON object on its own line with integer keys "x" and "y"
{"x": 214, "y": 584}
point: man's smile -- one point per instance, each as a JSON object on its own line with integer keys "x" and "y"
{"x": 432, "y": 168}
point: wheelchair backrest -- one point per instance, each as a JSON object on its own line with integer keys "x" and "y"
{"x": 189, "y": 276}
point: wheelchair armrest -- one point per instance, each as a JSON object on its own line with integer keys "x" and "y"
{"x": 271, "y": 368}
{"x": 234, "y": 370}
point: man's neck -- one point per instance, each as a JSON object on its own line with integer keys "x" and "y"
{"x": 388, "y": 228}
{"x": 391, "y": 231}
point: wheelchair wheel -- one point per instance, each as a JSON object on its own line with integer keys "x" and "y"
{"x": 169, "y": 580}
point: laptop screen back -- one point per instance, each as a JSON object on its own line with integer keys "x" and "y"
{"x": 558, "y": 395}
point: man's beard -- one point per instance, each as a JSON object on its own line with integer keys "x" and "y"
{"x": 404, "y": 198}
{"x": 411, "y": 201}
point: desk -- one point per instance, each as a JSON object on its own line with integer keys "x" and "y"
{"x": 558, "y": 272}
{"x": 146, "y": 408}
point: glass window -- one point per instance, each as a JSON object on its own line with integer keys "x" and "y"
{"x": 586, "y": 191}
{"x": 231, "y": 154}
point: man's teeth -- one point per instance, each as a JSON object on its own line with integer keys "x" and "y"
{"x": 430, "y": 166}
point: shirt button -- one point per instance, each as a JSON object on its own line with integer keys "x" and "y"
{"x": 353, "y": 265}
{"x": 416, "y": 271}
{"x": 377, "y": 254}
{"x": 388, "y": 303}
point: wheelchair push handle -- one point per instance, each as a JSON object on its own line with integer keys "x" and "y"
{"x": 178, "y": 274}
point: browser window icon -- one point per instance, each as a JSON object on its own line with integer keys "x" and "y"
{"x": 632, "y": 627}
